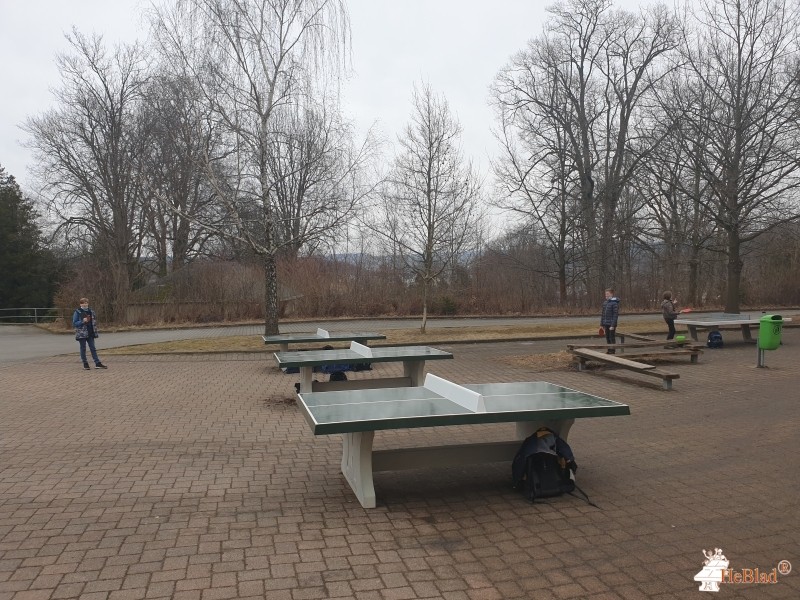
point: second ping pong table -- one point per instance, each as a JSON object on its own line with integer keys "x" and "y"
{"x": 357, "y": 415}
{"x": 412, "y": 357}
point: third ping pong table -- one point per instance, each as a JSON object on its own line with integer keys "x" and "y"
{"x": 321, "y": 335}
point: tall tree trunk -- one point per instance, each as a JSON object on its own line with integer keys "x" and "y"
{"x": 270, "y": 295}
{"x": 694, "y": 271}
{"x": 735, "y": 265}
{"x": 562, "y": 284}
{"x": 424, "y": 305}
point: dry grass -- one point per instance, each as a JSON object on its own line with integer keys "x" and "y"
{"x": 394, "y": 337}
{"x": 556, "y": 361}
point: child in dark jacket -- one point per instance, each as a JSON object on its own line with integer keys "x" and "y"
{"x": 669, "y": 308}
{"x": 608, "y": 318}
{"x": 84, "y": 321}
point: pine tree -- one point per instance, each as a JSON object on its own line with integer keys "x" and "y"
{"x": 27, "y": 267}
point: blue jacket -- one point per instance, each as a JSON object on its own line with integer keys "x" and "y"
{"x": 82, "y": 329}
{"x": 608, "y": 318}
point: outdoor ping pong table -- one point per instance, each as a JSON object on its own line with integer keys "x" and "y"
{"x": 358, "y": 414}
{"x": 715, "y": 322}
{"x": 321, "y": 335}
{"x": 412, "y": 357}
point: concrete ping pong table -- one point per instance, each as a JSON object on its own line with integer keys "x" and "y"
{"x": 321, "y": 335}
{"x": 715, "y": 322}
{"x": 412, "y": 357}
{"x": 358, "y": 414}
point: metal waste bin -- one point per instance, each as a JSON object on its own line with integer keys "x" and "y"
{"x": 769, "y": 332}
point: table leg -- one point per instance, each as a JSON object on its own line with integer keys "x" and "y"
{"x": 746, "y": 335}
{"x": 306, "y": 379}
{"x": 357, "y": 465}
{"x": 415, "y": 369}
{"x": 284, "y": 347}
{"x": 693, "y": 332}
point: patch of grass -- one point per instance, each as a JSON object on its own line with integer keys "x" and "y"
{"x": 394, "y": 337}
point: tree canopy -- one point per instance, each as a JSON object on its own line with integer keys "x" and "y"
{"x": 28, "y": 268}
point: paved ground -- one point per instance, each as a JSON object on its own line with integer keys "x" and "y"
{"x": 196, "y": 477}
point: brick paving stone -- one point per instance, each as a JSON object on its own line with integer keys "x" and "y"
{"x": 197, "y": 477}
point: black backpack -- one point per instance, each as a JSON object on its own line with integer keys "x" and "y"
{"x": 714, "y": 339}
{"x": 544, "y": 466}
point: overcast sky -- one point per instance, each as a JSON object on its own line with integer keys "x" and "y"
{"x": 457, "y": 46}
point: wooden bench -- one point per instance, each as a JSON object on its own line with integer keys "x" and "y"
{"x": 647, "y": 348}
{"x": 656, "y": 342}
{"x": 635, "y": 336}
{"x": 583, "y": 355}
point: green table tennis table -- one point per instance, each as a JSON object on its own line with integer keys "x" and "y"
{"x": 321, "y": 335}
{"x": 745, "y": 322}
{"x": 358, "y": 414}
{"x": 412, "y": 357}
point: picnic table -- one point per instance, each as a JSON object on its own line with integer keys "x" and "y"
{"x": 358, "y": 414}
{"x": 727, "y": 320}
{"x": 412, "y": 357}
{"x": 321, "y": 335}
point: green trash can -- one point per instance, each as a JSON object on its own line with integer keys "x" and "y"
{"x": 769, "y": 332}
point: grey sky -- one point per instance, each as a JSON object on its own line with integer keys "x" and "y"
{"x": 457, "y": 46}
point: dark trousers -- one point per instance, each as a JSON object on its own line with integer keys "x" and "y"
{"x": 611, "y": 338}
{"x": 91, "y": 349}
{"x": 671, "y": 326}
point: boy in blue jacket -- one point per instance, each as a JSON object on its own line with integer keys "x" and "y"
{"x": 608, "y": 318}
{"x": 84, "y": 321}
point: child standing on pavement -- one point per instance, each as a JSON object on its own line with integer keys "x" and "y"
{"x": 84, "y": 321}
{"x": 669, "y": 309}
{"x": 608, "y": 318}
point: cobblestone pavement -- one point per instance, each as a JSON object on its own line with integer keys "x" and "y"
{"x": 197, "y": 478}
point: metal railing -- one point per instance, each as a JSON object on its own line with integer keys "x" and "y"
{"x": 28, "y": 316}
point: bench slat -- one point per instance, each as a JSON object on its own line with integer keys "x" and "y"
{"x": 613, "y": 359}
{"x": 643, "y": 344}
{"x": 657, "y": 353}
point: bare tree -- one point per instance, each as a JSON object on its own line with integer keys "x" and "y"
{"x": 677, "y": 226}
{"x": 431, "y": 202}
{"x": 182, "y": 135}
{"x": 88, "y": 151}
{"x": 588, "y": 76}
{"x": 318, "y": 173}
{"x": 252, "y": 58}
{"x": 743, "y": 102}
{"x": 537, "y": 181}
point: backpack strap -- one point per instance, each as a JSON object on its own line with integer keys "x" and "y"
{"x": 585, "y": 496}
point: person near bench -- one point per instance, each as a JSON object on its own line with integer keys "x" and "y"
{"x": 608, "y": 318}
{"x": 669, "y": 308}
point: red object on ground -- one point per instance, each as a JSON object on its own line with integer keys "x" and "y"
{"x": 686, "y": 310}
